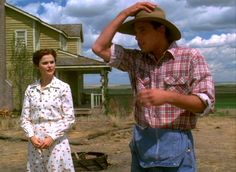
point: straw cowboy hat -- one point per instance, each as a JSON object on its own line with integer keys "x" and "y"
{"x": 157, "y": 15}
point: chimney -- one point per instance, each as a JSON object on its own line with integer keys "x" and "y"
{"x": 5, "y": 87}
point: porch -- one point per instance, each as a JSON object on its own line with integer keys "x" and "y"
{"x": 72, "y": 69}
{"x": 92, "y": 105}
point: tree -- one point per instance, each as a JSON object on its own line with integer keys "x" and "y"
{"x": 21, "y": 72}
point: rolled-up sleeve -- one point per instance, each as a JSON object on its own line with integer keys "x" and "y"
{"x": 203, "y": 84}
{"x": 208, "y": 103}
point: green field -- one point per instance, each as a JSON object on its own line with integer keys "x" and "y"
{"x": 226, "y": 96}
{"x": 121, "y": 97}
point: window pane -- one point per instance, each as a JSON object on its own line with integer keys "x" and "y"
{"x": 21, "y": 37}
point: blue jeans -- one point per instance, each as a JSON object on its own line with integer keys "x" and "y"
{"x": 162, "y": 150}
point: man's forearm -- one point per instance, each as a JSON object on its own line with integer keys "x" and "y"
{"x": 102, "y": 45}
{"x": 189, "y": 102}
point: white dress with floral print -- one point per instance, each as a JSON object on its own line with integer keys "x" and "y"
{"x": 49, "y": 112}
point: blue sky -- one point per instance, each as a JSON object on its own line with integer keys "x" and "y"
{"x": 208, "y": 25}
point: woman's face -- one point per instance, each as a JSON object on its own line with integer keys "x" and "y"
{"x": 47, "y": 66}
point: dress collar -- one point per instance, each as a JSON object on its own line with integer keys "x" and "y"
{"x": 52, "y": 84}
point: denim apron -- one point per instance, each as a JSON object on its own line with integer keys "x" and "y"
{"x": 161, "y": 147}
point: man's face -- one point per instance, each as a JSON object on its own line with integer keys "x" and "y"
{"x": 147, "y": 36}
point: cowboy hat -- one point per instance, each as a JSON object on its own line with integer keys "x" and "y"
{"x": 157, "y": 15}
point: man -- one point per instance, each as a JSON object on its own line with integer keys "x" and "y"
{"x": 172, "y": 87}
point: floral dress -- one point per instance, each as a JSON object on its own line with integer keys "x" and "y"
{"x": 48, "y": 112}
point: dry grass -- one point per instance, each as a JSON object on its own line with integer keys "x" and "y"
{"x": 225, "y": 112}
{"x": 7, "y": 123}
{"x": 215, "y": 141}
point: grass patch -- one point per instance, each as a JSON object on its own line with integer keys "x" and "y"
{"x": 9, "y": 123}
{"x": 225, "y": 112}
{"x": 226, "y": 96}
{"x": 121, "y": 98}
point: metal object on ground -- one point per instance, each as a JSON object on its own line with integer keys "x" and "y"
{"x": 89, "y": 161}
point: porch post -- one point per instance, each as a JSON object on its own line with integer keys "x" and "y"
{"x": 104, "y": 90}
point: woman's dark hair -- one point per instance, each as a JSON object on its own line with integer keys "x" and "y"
{"x": 157, "y": 25}
{"x": 40, "y": 53}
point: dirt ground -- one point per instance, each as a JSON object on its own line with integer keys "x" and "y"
{"x": 215, "y": 141}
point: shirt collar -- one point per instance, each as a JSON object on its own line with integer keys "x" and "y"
{"x": 168, "y": 53}
{"x": 171, "y": 49}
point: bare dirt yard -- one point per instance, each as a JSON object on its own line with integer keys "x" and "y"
{"x": 215, "y": 141}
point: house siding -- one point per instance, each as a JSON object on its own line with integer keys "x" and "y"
{"x": 39, "y": 35}
{"x": 49, "y": 38}
{"x": 72, "y": 46}
{"x": 5, "y": 86}
{"x": 16, "y": 21}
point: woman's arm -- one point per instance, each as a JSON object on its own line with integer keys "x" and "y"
{"x": 25, "y": 121}
{"x": 67, "y": 116}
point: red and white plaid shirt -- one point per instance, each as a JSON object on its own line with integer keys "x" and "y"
{"x": 182, "y": 70}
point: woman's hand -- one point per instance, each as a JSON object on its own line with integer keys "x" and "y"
{"x": 47, "y": 143}
{"x": 36, "y": 141}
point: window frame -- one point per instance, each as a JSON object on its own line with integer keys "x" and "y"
{"x": 24, "y": 37}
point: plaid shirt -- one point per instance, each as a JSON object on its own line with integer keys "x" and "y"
{"x": 182, "y": 70}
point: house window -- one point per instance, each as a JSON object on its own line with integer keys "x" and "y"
{"x": 20, "y": 38}
{"x": 63, "y": 43}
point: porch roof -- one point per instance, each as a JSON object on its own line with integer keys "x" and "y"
{"x": 72, "y": 30}
{"x": 67, "y": 60}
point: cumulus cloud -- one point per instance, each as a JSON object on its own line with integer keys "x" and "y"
{"x": 214, "y": 41}
{"x": 52, "y": 12}
{"x": 219, "y": 3}
{"x": 88, "y": 8}
{"x": 220, "y": 53}
{"x": 207, "y": 25}
{"x": 212, "y": 18}
{"x": 32, "y": 8}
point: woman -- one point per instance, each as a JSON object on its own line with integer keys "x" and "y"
{"x": 47, "y": 115}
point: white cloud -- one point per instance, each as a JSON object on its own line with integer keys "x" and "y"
{"x": 207, "y": 25}
{"x": 88, "y": 8}
{"x": 212, "y": 19}
{"x": 214, "y": 41}
{"x": 220, "y": 53}
{"x": 126, "y": 40}
{"x": 53, "y": 12}
{"x": 32, "y": 8}
{"x": 194, "y": 3}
